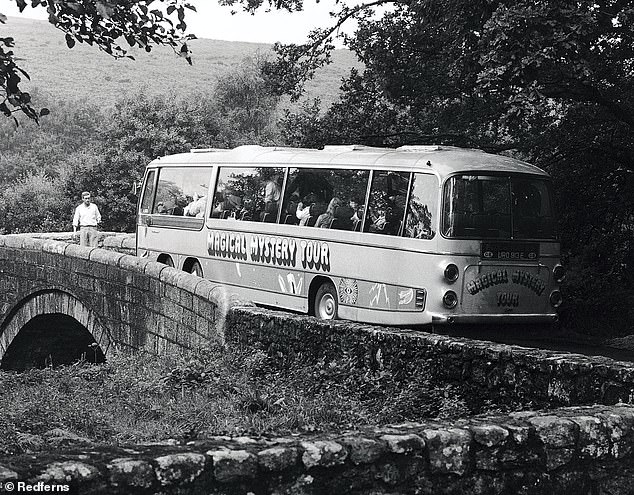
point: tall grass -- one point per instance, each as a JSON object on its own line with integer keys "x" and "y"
{"x": 213, "y": 391}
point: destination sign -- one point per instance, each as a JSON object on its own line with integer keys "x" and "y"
{"x": 510, "y": 251}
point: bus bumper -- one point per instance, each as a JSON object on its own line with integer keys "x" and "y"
{"x": 440, "y": 319}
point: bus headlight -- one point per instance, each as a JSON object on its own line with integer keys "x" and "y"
{"x": 451, "y": 273}
{"x": 450, "y": 299}
{"x": 556, "y": 299}
{"x": 559, "y": 273}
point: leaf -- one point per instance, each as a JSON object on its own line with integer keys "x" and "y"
{"x": 70, "y": 41}
{"x": 44, "y": 111}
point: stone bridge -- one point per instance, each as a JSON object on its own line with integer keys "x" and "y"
{"x": 60, "y": 302}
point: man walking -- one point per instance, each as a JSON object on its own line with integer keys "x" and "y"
{"x": 86, "y": 218}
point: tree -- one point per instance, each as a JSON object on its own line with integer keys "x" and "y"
{"x": 103, "y": 23}
{"x": 550, "y": 81}
{"x": 247, "y": 104}
{"x": 484, "y": 59}
{"x": 138, "y": 130}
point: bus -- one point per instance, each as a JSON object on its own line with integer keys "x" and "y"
{"x": 415, "y": 235}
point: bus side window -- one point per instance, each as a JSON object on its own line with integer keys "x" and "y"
{"x": 248, "y": 193}
{"x": 421, "y": 211}
{"x": 325, "y": 198}
{"x": 386, "y": 207}
{"x": 148, "y": 192}
{"x": 182, "y": 191}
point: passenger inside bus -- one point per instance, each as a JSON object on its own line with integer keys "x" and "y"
{"x": 309, "y": 210}
{"x": 325, "y": 220}
{"x": 179, "y": 205}
{"x": 227, "y": 205}
{"x": 197, "y": 207}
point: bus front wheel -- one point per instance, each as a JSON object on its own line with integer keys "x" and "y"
{"x": 166, "y": 260}
{"x": 326, "y": 305}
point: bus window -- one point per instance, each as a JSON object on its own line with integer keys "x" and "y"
{"x": 495, "y": 207}
{"x": 325, "y": 198}
{"x": 477, "y": 206}
{"x": 148, "y": 193}
{"x": 248, "y": 194}
{"x": 386, "y": 206}
{"x": 182, "y": 191}
{"x": 532, "y": 210}
{"x": 421, "y": 211}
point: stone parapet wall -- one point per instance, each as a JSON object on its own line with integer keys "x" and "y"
{"x": 500, "y": 373}
{"x": 582, "y": 450}
{"x": 113, "y": 241}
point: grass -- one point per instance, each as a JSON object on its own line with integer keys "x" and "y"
{"x": 214, "y": 391}
{"x": 85, "y": 73}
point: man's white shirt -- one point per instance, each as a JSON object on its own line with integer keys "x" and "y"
{"x": 86, "y": 216}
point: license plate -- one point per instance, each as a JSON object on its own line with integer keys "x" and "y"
{"x": 510, "y": 251}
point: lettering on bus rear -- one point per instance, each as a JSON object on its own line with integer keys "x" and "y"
{"x": 494, "y": 278}
{"x": 274, "y": 250}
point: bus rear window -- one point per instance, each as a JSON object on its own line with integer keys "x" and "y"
{"x": 497, "y": 207}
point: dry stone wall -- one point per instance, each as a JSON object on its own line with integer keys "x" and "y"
{"x": 581, "y": 450}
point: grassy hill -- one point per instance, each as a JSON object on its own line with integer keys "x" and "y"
{"x": 85, "y": 72}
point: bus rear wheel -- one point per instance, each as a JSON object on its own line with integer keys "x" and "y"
{"x": 196, "y": 269}
{"x": 326, "y": 305}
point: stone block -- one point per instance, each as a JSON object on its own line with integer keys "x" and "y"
{"x": 448, "y": 450}
{"x": 278, "y": 458}
{"x": 132, "y": 473}
{"x": 77, "y": 251}
{"x": 105, "y": 257}
{"x": 67, "y": 472}
{"x": 173, "y": 469}
{"x": 232, "y": 465}
{"x": 489, "y": 435}
{"x": 403, "y": 444}
{"x": 186, "y": 299}
{"x": 323, "y": 453}
{"x": 172, "y": 276}
{"x": 363, "y": 450}
{"x": 154, "y": 269}
{"x": 555, "y": 432}
{"x": 593, "y": 437}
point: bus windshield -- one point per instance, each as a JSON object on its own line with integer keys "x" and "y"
{"x": 498, "y": 207}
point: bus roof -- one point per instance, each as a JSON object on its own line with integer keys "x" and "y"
{"x": 442, "y": 160}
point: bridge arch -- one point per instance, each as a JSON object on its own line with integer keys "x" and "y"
{"x": 51, "y": 326}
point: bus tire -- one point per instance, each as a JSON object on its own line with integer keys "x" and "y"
{"x": 166, "y": 260}
{"x": 326, "y": 303}
{"x": 196, "y": 269}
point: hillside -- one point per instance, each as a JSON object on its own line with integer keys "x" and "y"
{"x": 87, "y": 73}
